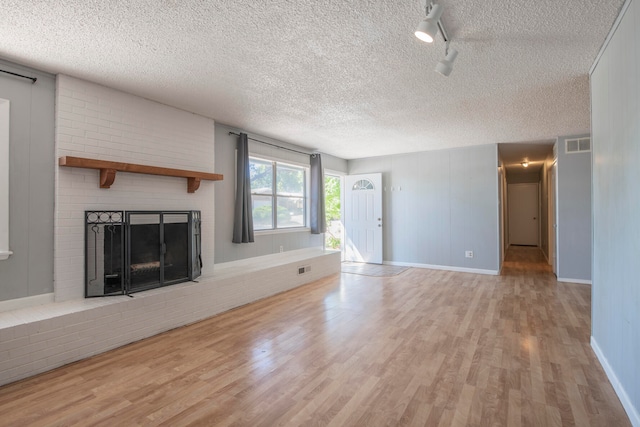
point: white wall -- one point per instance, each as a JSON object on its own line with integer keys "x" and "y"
{"x": 439, "y": 204}
{"x": 615, "y": 97}
{"x": 98, "y": 122}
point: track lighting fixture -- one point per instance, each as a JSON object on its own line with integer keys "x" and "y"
{"x": 428, "y": 27}
{"x": 427, "y": 30}
{"x": 445, "y": 66}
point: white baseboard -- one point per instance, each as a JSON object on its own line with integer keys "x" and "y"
{"x": 442, "y": 267}
{"x": 581, "y": 281}
{"x": 16, "y": 304}
{"x": 632, "y": 412}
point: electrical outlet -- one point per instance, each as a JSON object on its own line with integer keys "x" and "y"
{"x": 281, "y": 248}
{"x": 468, "y": 254}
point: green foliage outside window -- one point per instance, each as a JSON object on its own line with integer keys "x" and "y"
{"x": 332, "y": 212}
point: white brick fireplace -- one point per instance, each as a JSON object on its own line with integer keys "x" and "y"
{"x": 96, "y": 122}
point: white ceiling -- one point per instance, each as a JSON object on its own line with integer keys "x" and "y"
{"x": 346, "y": 77}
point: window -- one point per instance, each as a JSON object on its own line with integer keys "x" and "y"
{"x": 363, "y": 184}
{"x": 278, "y": 194}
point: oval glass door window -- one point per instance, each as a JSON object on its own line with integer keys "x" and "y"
{"x": 363, "y": 184}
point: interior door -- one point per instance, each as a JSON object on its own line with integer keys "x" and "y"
{"x": 523, "y": 214}
{"x": 363, "y": 218}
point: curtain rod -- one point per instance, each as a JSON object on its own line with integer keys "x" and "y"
{"x": 274, "y": 145}
{"x": 33, "y": 79}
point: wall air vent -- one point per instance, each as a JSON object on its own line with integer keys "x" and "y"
{"x": 578, "y": 145}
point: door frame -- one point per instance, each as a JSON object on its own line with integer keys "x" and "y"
{"x": 553, "y": 217}
{"x": 376, "y": 179}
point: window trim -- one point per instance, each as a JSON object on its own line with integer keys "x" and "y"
{"x": 274, "y": 195}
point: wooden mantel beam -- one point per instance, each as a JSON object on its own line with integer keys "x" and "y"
{"x": 109, "y": 169}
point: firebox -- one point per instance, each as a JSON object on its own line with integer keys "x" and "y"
{"x": 132, "y": 251}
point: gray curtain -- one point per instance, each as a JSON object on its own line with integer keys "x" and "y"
{"x": 318, "y": 220}
{"x": 243, "y": 219}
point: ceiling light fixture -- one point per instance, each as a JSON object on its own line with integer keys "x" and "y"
{"x": 427, "y": 30}
{"x": 445, "y": 66}
{"x": 525, "y": 164}
{"x": 428, "y": 27}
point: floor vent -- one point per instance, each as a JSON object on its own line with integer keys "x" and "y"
{"x": 578, "y": 145}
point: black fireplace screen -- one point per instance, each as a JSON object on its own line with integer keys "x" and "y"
{"x": 133, "y": 251}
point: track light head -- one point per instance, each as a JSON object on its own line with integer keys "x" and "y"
{"x": 428, "y": 27}
{"x": 445, "y": 66}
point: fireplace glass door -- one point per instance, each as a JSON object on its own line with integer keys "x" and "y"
{"x": 144, "y": 250}
{"x": 134, "y": 251}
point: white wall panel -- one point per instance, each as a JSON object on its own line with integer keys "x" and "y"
{"x": 616, "y": 210}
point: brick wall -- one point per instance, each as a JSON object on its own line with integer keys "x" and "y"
{"x": 101, "y": 123}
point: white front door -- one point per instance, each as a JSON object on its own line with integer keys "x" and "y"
{"x": 363, "y": 218}
{"x": 523, "y": 214}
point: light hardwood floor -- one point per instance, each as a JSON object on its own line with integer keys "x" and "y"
{"x": 425, "y": 347}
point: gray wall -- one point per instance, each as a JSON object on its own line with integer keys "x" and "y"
{"x": 225, "y": 250}
{"x": 574, "y": 213}
{"x": 29, "y": 271}
{"x": 615, "y": 91}
{"x": 439, "y": 204}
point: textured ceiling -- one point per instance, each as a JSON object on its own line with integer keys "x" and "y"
{"x": 347, "y": 78}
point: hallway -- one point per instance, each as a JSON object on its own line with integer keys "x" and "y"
{"x": 525, "y": 260}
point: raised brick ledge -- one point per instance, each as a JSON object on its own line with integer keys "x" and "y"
{"x": 227, "y": 270}
{"x": 37, "y": 339}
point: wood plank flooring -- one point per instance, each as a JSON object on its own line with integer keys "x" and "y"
{"x": 424, "y": 348}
